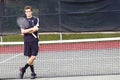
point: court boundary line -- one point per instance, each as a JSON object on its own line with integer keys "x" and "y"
{"x": 72, "y": 59}
{"x": 10, "y": 58}
{"x": 77, "y": 59}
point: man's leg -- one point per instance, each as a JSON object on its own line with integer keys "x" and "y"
{"x": 27, "y": 52}
{"x": 31, "y": 60}
{"x": 34, "y": 52}
{"x": 23, "y": 70}
{"x": 31, "y": 66}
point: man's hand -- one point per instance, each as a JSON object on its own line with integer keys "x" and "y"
{"x": 36, "y": 28}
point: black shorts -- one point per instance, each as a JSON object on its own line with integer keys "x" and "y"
{"x": 31, "y": 48}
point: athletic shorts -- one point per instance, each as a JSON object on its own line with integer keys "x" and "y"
{"x": 31, "y": 48}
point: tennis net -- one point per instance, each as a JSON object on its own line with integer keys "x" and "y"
{"x": 64, "y": 58}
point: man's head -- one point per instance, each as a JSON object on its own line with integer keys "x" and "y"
{"x": 28, "y": 11}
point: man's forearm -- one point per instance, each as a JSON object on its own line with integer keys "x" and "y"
{"x": 25, "y": 31}
{"x": 30, "y": 30}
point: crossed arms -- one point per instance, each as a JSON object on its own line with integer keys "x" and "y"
{"x": 31, "y": 30}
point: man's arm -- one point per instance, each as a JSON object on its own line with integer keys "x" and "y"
{"x": 37, "y": 25}
{"x": 25, "y": 31}
{"x": 30, "y": 30}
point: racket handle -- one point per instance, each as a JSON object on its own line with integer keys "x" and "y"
{"x": 34, "y": 35}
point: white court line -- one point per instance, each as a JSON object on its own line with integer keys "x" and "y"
{"x": 77, "y": 59}
{"x": 10, "y": 58}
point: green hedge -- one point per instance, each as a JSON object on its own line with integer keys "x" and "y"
{"x": 47, "y": 37}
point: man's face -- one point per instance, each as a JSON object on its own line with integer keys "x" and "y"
{"x": 28, "y": 13}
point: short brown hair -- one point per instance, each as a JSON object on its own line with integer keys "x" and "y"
{"x": 27, "y": 7}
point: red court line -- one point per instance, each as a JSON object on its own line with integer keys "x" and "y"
{"x": 63, "y": 47}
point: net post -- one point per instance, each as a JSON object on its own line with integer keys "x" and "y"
{"x": 60, "y": 35}
{"x": 59, "y": 12}
{"x": 1, "y": 18}
{"x": 1, "y": 38}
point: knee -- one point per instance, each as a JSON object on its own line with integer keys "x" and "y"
{"x": 33, "y": 57}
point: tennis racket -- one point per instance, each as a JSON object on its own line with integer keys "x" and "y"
{"x": 23, "y": 23}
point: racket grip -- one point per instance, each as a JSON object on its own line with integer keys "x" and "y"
{"x": 34, "y": 35}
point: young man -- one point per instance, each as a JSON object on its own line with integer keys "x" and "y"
{"x": 30, "y": 42}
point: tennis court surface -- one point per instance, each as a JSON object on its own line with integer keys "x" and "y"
{"x": 103, "y": 77}
{"x": 64, "y": 59}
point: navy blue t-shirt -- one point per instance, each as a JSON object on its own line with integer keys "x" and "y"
{"x": 29, "y": 37}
